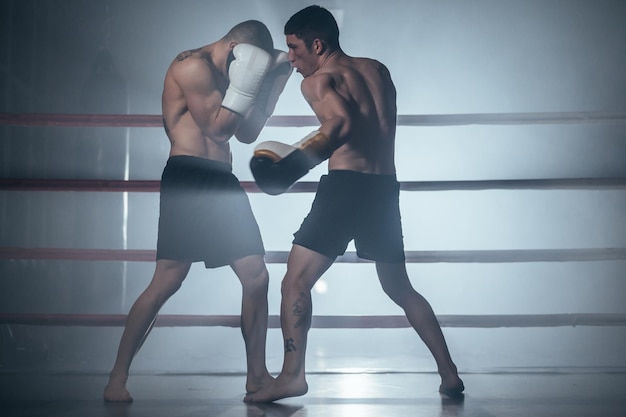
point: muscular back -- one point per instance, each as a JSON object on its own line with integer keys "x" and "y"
{"x": 356, "y": 96}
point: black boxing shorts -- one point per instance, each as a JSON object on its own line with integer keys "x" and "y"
{"x": 352, "y": 205}
{"x": 205, "y": 214}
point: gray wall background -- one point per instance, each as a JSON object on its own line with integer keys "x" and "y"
{"x": 446, "y": 57}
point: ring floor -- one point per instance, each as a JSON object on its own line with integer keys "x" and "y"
{"x": 537, "y": 393}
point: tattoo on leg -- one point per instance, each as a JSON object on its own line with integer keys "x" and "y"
{"x": 301, "y": 309}
{"x": 289, "y": 345}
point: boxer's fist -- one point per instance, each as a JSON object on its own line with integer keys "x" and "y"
{"x": 277, "y": 166}
{"x": 246, "y": 72}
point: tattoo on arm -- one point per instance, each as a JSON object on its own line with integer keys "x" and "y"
{"x": 184, "y": 55}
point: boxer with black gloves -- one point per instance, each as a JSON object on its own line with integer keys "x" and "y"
{"x": 354, "y": 100}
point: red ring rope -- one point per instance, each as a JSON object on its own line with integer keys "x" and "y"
{"x": 134, "y": 120}
{"x": 22, "y": 184}
{"x": 278, "y": 257}
{"x": 326, "y": 322}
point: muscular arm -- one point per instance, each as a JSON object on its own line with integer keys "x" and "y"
{"x": 203, "y": 99}
{"x": 250, "y": 128}
{"x": 331, "y": 109}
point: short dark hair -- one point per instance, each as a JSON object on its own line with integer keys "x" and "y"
{"x": 252, "y": 32}
{"x": 314, "y": 22}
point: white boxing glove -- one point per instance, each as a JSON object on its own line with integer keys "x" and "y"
{"x": 274, "y": 82}
{"x": 246, "y": 72}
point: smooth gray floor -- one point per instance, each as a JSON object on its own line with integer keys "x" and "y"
{"x": 569, "y": 393}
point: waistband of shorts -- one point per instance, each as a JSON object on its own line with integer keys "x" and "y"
{"x": 344, "y": 173}
{"x": 191, "y": 161}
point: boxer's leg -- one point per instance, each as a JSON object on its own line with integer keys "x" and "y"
{"x": 168, "y": 276}
{"x": 396, "y": 284}
{"x": 254, "y": 279}
{"x": 304, "y": 268}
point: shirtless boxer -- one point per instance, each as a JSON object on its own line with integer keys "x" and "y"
{"x": 354, "y": 100}
{"x": 226, "y": 88}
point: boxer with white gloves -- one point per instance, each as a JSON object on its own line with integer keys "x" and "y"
{"x": 204, "y": 212}
{"x": 277, "y": 166}
{"x": 246, "y": 73}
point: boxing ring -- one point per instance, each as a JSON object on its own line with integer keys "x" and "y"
{"x": 280, "y": 257}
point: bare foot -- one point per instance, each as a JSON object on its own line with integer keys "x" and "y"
{"x": 452, "y": 389}
{"x": 256, "y": 384}
{"x": 281, "y": 387}
{"x": 274, "y": 409}
{"x": 116, "y": 391}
